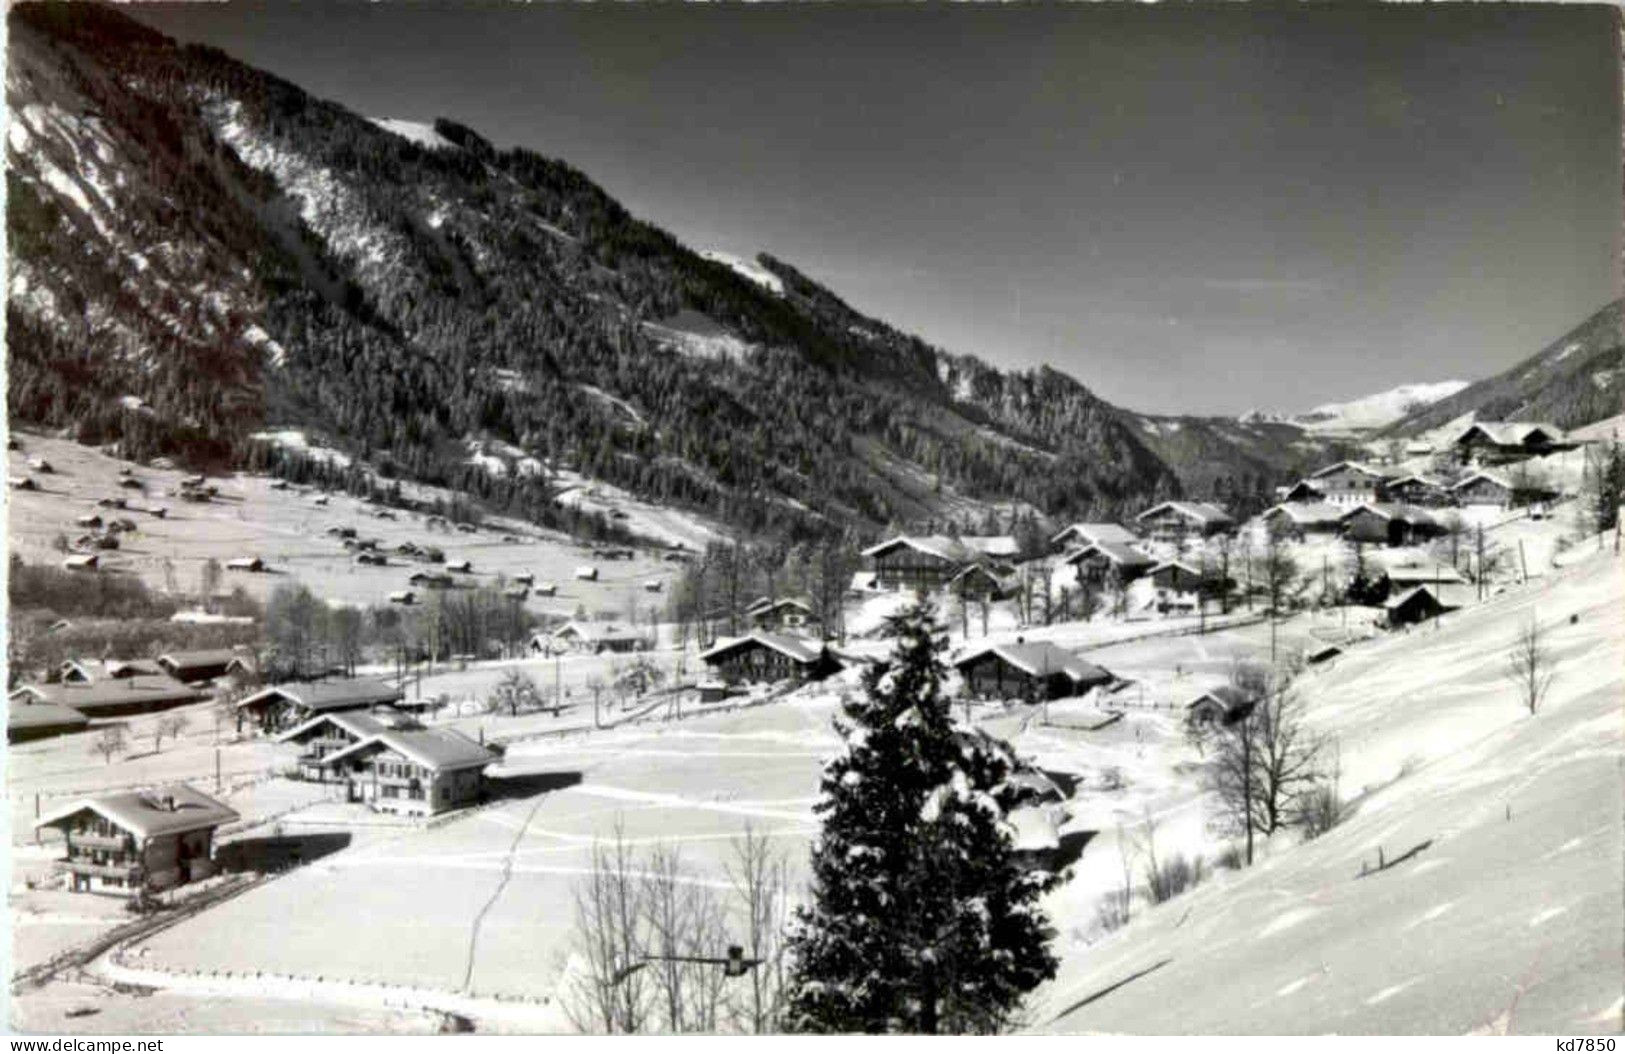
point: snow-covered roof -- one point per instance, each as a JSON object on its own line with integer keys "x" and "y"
{"x": 1305, "y": 513}
{"x": 359, "y": 723}
{"x": 25, "y": 712}
{"x": 197, "y": 660}
{"x": 1391, "y": 511}
{"x": 1095, "y": 533}
{"x": 1202, "y": 512}
{"x": 603, "y": 632}
{"x": 1490, "y": 477}
{"x": 1429, "y": 573}
{"x": 1117, "y": 552}
{"x": 113, "y": 694}
{"x": 1039, "y": 659}
{"x": 1227, "y": 696}
{"x": 798, "y": 649}
{"x": 319, "y": 696}
{"x": 938, "y": 545}
{"x": 991, "y": 544}
{"x": 166, "y": 810}
{"x": 1353, "y": 466}
{"x": 1511, "y": 433}
{"x": 1426, "y": 481}
{"x": 1401, "y": 599}
{"x": 763, "y": 605}
{"x": 1177, "y": 565}
{"x": 436, "y": 749}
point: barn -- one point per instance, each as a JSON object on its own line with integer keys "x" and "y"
{"x": 1301, "y": 519}
{"x": 113, "y": 697}
{"x": 1027, "y": 671}
{"x": 283, "y": 706}
{"x": 1173, "y": 521}
{"x": 781, "y": 613}
{"x": 1349, "y": 483}
{"x": 978, "y": 581}
{"x": 1483, "y": 489}
{"x": 1385, "y": 524}
{"x": 28, "y": 719}
{"x": 1490, "y": 443}
{"x": 924, "y": 562}
{"x": 191, "y": 667}
{"x": 1412, "y": 606}
{"x": 1086, "y": 534}
{"x": 1221, "y": 705}
{"x": 1417, "y": 490}
{"x": 1100, "y": 562}
{"x": 763, "y": 657}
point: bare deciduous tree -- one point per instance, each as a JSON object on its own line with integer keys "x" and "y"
{"x": 170, "y": 726}
{"x": 609, "y": 939}
{"x": 1530, "y": 665}
{"x": 112, "y": 740}
{"x": 760, "y": 877}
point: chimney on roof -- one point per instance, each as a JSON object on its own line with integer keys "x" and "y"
{"x": 167, "y": 802}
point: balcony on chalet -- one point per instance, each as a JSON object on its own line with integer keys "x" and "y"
{"x": 129, "y": 872}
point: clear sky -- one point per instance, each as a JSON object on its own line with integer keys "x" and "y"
{"x": 1189, "y": 208}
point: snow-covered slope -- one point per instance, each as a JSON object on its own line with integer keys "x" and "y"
{"x": 1498, "y": 909}
{"x": 1375, "y": 411}
{"x": 747, "y": 269}
{"x": 420, "y": 132}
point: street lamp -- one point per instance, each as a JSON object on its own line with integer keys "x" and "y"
{"x": 733, "y": 965}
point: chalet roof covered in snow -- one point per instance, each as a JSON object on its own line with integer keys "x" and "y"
{"x": 1476, "y": 477}
{"x": 1227, "y": 696}
{"x": 797, "y": 649}
{"x": 146, "y": 814}
{"x": 1511, "y": 433}
{"x": 1000, "y": 545}
{"x": 1390, "y": 511}
{"x": 436, "y": 749}
{"x": 98, "y": 696}
{"x": 1121, "y": 554}
{"x": 188, "y": 661}
{"x": 764, "y": 605}
{"x": 1200, "y": 512}
{"x": 1039, "y": 659}
{"x": 1095, "y": 533}
{"x": 1359, "y": 467}
{"x": 1429, "y": 573}
{"x": 319, "y": 696}
{"x": 1306, "y": 514}
{"x": 25, "y": 713}
{"x": 937, "y": 545}
{"x": 359, "y": 723}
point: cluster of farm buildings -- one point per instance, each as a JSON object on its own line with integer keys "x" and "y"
{"x": 360, "y": 735}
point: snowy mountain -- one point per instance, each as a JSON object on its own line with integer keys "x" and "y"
{"x": 1575, "y": 380}
{"x": 1375, "y": 411}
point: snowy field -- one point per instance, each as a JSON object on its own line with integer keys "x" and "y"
{"x": 483, "y": 904}
{"x": 286, "y": 529}
{"x": 1506, "y": 916}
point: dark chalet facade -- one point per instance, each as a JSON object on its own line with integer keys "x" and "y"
{"x": 764, "y": 658}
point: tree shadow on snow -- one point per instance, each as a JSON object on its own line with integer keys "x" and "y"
{"x": 1108, "y": 990}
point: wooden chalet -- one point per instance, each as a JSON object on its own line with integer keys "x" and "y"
{"x": 1385, "y": 524}
{"x": 763, "y": 657}
{"x": 252, "y": 564}
{"x": 588, "y": 637}
{"x": 1173, "y": 521}
{"x": 1027, "y": 671}
{"x": 1489, "y": 443}
{"x": 331, "y": 732}
{"x": 1303, "y": 491}
{"x": 403, "y": 597}
{"x": 368, "y": 559}
{"x": 781, "y": 613}
{"x": 82, "y": 562}
{"x": 431, "y": 580}
{"x": 1300, "y": 519}
{"x": 1483, "y": 489}
{"x": 1414, "y": 605}
{"x": 1223, "y": 705}
{"x": 415, "y": 772}
{"x": 192, "y": 667}
{"x": 1076, "y": 535}
{"x": 284, "y": 706}
{"x": 981, "y": 581}
{"x": 1101, "y": 562}
{"x": 138, "y": 841}
{"x": 1417, "y": 490}
{"x": 1349, "y": 483}
{"x": 918, "y": 562}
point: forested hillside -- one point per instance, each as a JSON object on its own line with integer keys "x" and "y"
{"x": 202, "y": 252}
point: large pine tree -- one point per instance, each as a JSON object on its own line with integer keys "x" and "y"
{"x": 922, "y": 919}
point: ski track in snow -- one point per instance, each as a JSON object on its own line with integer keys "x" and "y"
{"x": 1546, "y": 916}
{"x": 1286, "y": 920}
{"x": 1391, "y": 991}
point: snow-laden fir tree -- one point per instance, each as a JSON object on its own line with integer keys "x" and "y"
{"x": 922, "y": 919}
